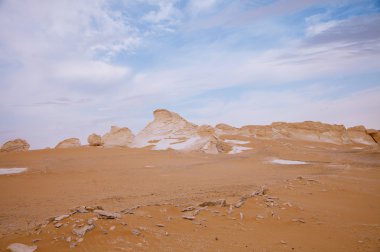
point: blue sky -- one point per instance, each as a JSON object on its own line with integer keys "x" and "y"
{"x": 71, "y": 68}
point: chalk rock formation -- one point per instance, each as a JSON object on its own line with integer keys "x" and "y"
{"x": 375, "y": 134}
{"x": 118, "y": 137}
{"x": 94, "y": 140}
{"x": 15, "y": 145}
{"x": 358, "y": 134}
{"x": 68, "y": 143}
{"x": 311, "y": 131}
{"x": 225, "y": 129}
{"x": 169, "y": 130}
{"x": 256, "y": 131}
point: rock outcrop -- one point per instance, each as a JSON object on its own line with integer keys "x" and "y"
{"x": 68, "y": 143}
{"x": 94, "y": 140}
{"x": 375, "y": 134}
{"x": 358, "y": 134}
{"x": 15, "y": 145}
{"x": 118, "y": 137}
{"x": 225, "y": 129}
{"x": 311, "y": 131}
{"x": 169, "y": 130}
{"x": 256, "y": 131}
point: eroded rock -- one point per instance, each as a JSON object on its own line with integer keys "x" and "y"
{"x": 94, "y": 140}
{"x": 68, "y": 143}
{"x": 15, "y": 145}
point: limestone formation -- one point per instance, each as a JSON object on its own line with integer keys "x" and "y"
{"x": 375, "y": 134}
{"x": 256, "y": 131}
{"x": 225, "y": 129}
{"x": 118, "y": 137}
{"x": 169, "y": 130}
{"x": 94, "y": 140}
{"x": 358, "y": 134}
{"x": 68, "y": 143}
{"x": 15, "y": 145}
{"x": 311, "y": 131}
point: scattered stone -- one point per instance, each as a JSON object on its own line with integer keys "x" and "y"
{"x": 299, "y": 220}
{"x": 196, "y": 212}
{"x": 107, "y": 215}
{"x": 19, "y": 247}
{"x": 82, "y": 230}
{"x": 283, "y": 242}
{"x": 73, "y": 245}
{"x": 230, "y": 210}
{"x": 80, "y": 240}
{"x": 62, "y": 217}
{"x": 160, "y": 225}
{"x": 68, "y": 239}
{"x": 81, "y": 209}
{"x": 220, "y": 202}
{"x": 112, "y": 228}
{"x": 136, "y": 232}
{"x": 186, "y": 217}
{"x": 130, "y": 210}
{"x": 58, "y": 225}
{"x": 239, "y": 204}
{"x": 288, "y": 204}
{"x": 241, "y": 216}
{"x": 188, "y": 209}
{"x": 166, "y": 233}
{"x": 216, "y": 238}
{"x": 36, "y": 240}
{"x": 261, "y": 192}
{"x": 259, "y": 217}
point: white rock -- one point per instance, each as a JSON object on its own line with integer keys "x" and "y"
{"x": 19, "y": 247}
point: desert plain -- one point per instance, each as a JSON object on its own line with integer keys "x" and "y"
{"x": 282, "y": 194}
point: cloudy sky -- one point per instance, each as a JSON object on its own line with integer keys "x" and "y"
{"x": 70, "y": 68}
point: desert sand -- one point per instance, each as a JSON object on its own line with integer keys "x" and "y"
{"x": 177, "y": 186}
{"x": 329, "y": 203}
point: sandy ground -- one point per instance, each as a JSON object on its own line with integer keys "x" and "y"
{"x": 332, "y": 203}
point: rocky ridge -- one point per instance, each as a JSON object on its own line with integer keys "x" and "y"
{"x": 169, "y": 130}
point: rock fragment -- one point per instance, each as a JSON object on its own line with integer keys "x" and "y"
{"x": 62, "y": 217}
{"x": 19, "y": 247}
{"x": 82, "y": 230}
{"x": 136, "y": 232}
{"x": 186, "y": 217}
{"x": 58, "y": 225}
{"x": 107, "y": 215}
{"x": 188, "y": 209}
{"x": 220, "y": 202}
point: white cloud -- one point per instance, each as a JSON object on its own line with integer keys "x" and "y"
{"x": 166, "y": 11}
{"x": 90, "y": 71}
{"x": 197, "y": 6}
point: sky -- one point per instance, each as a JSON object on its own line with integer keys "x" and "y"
{"x": 70, "y": 68}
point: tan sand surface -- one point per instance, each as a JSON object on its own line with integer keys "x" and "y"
{"x": 332, "y": 203}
